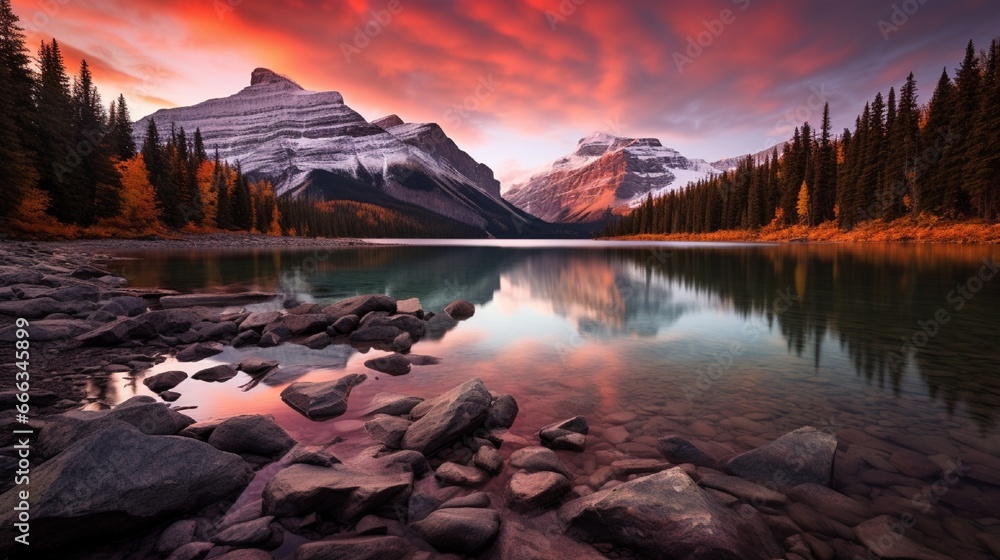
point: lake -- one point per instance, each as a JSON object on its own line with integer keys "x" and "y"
{"x": 895, "y": 348}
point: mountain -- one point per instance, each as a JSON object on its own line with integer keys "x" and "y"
{"x": 605, "y": 174}
{"x": 728, "y": 164}
{"x": 311, "y": 144}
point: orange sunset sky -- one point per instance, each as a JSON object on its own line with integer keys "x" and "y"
{"x": 559, "y": 69}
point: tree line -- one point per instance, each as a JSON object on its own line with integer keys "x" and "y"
{"x": 902, "y": 159}
{"x": 70, "y": 167}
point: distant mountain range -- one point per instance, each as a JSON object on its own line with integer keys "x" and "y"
{"x": 605, "y": 175}
{"x": 312, "y": 145}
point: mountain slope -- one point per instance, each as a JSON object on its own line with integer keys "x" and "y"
{"x": 313, "y": 145}
{"x": 605, "y": 173}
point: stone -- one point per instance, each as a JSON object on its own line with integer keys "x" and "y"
{"x": 402, "y": 343}
{"x": 322, "y": 400}
{"x": 878, "y": 536}
{"x": 119, "y": 481}
{"x": 46, "y": 330}
{"x": 801, "y": 456}
{"x": 518, "y": 541}
{"x": 393, "y": 404}
{"x": 176, "y": 535}
{"x": 473, "y": 500}
{"x": 225, "y": 330}
{"x": 466, "y": 530}
{"x": 200, "y": 430}
{"x": 679, "y": 450}
{"x": 340, "y": 492}
{"x": 257, "y": 321}
{"x": 460, "y": 310}
{"x": 532, "y": 491}
{"x": 577, "y": 424}
{"x": 534, "y": 459}
{"x": 216, "y": 374}
{"x": 624, "y": 468}
{"x": 130, "y": 305}
{"x": 118, "y": 332}
{"x": 311, "y": 455}
{"x": 142, "y": 413}
{"x": 246, "y": 534}
{"x": 191, "y": 551}
{"x": 488, "y": 459}
{"x": 502, "y": 413}
{"x": 615, "y": 435}
{"x": 245, "y": 554}
{"x": 309, "y": 324}
{"x": 570, "y": 441}
{"x": 393, "y": 364}
{"x": 346, "y": 324}
{"x": 387, "y": 430}
{"x": 88, "y": 272}
{"x": 245, "y": 338}
{"x": 257, "y": 434}
{"x": 369, "y": 336}
{"x": 169, "y": 396}
{"x": 317, "y": 341}
{"x": 404, "y": 323}
{"x": 439, "y": 325}
{"x": 441, "y": 420}
{"x": 461, "y": 475}
{"x": 410, "y": 307}
{"x": 666, "y": 515}
{"x": 567, "y": 434}
{"x": 306, "y": 309}
{"x": 355, "y": 548}
{"x": 371, "y": 525}
{"x": 752, "y": 492}
{"x": 164, "y": 381}
{"x": 200, "y": 351}
{"x": 831, "y": 503}
{"x": 914, "y": 465}
{"x": 361, "y": 306}
{"x": 270, "y": 340}
{"x": 254, "y": 365}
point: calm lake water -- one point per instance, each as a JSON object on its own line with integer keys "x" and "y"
{"x": 894, "y": 347}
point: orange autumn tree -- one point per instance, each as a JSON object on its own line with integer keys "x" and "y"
{"x": 140, "y": 214}
{"x": 208, "y": 192}
{"x": 31, "y": 218}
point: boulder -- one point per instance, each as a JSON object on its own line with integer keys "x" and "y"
{"x": 340, "y": 492}
{"x": 355, "y": 548}
{"x": 442, "y": 420}
{"x": 461, "y": 475}
{"x": 465, "y": 530}
{"x": 304, "y": 325}
{"x": 568, "y": 434}
{"x": 218, "y": 331}
{"x": 361, "y": 306}
{"x": 176, "y": 535}
{"x": 317, "y": 341}
{"x": 321, "y": 400}
{"x": 200, "y": 351}
{"x": 460, "y": 310}
{"x": 164, "y": 381}
{"x": 88, "y": 272}
{"x": 535, "y": 459}
{"x": 10, "y": 275}
{"x": 170, "y": 321}
{"x": 118, "y": 481}
{"x": 379, "y": 335}
{"x": 311, "y": 455}
{"x": 804, "y": 455}
{"x": 393, "y": 364}
{"x": 245, "y": 338}
{"x": 402, "y": 343}
{"x": 131, "y": 305}
{"x": 191, "y": 551}
{"x": 118, "y": 332}
{"x": 404, "y": 323}
{"x": 387, "y": 430}
{"x": 140, "y": 413}
{"x": 257, "y": 434}
{"x": 666, "y": 515}
{"x": 30, "y": 308}
{"x": 169, "y": 396}
{"x": 216, "y": 374}
{"x": 532, "y": 491}
{"x": 393, "y": 404}
{"x": 502, "y": 414}
{"x": 439, "y": 325}
{"x": 473, "y": 500}
{"x": 200, "y": 430}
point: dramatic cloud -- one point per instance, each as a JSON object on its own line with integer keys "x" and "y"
{"x": 518, "y": 82}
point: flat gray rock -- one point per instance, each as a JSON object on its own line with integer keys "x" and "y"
{"x": 465, "y": 530}
{"x": 442, "y": 420}
{"x": 318, "y": 401}
{"x": 461, "y": 475}
{"x": 393, "y": 404}
{"x": 801, "y": 456}
{"x": 534, "y": 459}
{"x": 532, "y": 491}
{"x": 339, "y": 492}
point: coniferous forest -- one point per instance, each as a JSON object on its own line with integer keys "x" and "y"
{"x": 903, "y": 158}
{"x": 71, "y": 168}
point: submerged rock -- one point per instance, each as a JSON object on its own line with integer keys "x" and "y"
{"x": 340, "y": 492}
{"x": 666, "y": 515}
{"x": 534, "y": 459}
{"x": 801, "y": 456}
{"x": 465, "y": 530}
{"x": 318, "y": 401}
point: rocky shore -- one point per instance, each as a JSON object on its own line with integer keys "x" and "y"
{"x": 439, "y": 475}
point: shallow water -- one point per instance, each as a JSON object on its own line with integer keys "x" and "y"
{"x": 734, "y": 344}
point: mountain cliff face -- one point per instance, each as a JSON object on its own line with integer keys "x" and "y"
{"x": 313, "y": 145}
{"x": 605, "y": 174}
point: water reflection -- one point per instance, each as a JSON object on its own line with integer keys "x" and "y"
{"x": 888, "y": 311}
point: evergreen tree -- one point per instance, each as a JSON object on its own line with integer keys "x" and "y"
{"x": 936, "y": 185}
{"x": 242, "y": 207}
{"x": 120, "y": 134}
{"x": 17, "y": 173}
{"x": 981, "y": 172}
{"x": 825, "y": 181}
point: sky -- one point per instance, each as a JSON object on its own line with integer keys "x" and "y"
{"x": 516, "y": 83}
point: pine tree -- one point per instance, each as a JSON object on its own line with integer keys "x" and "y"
{"x": 906, "y": 145}
{"x": 17, "y": 113}
{"x": 936, "y": 184}
{"x": 242, "y": 207}
{"x": 95, "y": 172}
{"x": 968, "y": 82}
{"x": 825, "y": 181}
{"x": 981, "y": 172}
{"x": 56, "y": 153}
{"x": 120, "y": 134}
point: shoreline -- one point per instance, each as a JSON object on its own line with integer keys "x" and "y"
{"x": 904, "y": 230}
{"x": 234, "y": 241}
